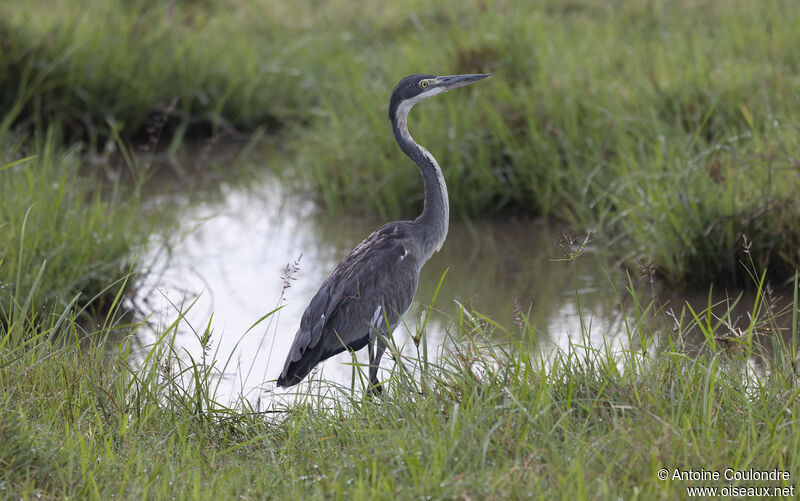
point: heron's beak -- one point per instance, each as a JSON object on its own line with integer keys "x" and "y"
{"x": 451, "y": 82}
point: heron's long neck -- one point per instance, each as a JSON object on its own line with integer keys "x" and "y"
{"x": 434, "y": 220}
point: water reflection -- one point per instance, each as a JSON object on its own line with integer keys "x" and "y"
{"x": 232, "y": 262}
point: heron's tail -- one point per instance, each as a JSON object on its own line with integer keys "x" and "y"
{"x": 294, "y": 372}
{"x": 301, "y": 360}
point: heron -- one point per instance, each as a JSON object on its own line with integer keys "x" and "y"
{"x": 362, "y": 301}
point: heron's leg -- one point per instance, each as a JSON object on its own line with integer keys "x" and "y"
{"x": 371, "y": 348}
{"x": 376, "y": 362}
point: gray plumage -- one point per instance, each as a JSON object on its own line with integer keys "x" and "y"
{"x": 362, "y": 301}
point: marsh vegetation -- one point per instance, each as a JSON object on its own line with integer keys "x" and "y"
{"x": 666, "y": 131}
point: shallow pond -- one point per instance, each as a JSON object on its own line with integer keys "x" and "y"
{"x": 232, "y": 260}
{"x": 250, "y": 249}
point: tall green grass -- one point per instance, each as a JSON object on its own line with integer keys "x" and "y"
{"x": 97, "y": 66}
{"x": 490, "y": 421}
{"x": 668, "y": 129}
{"x": 67, "y": 239}
{"x": 665, "y": 128}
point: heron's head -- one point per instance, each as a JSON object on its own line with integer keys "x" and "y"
{"x": 414, "y": 88}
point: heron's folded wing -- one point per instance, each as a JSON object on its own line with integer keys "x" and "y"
{"x": 381, "y": 272}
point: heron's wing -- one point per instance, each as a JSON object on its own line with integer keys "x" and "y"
{"x": 374, "y": 284}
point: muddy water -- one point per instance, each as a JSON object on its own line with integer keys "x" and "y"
{"x": 252, "y": 249}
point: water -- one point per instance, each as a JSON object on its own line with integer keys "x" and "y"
{"x": 232, "y": 259}
{"x": 232, "y": 262}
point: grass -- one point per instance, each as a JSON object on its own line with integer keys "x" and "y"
{"x": 664, "y": 128}
{"x": 654, "y": 125}
{"x": 667, "y": 130}
{"x": 65, "y": 241}
{"x": 489, "y": 420}
{"x": 99, "y": 66}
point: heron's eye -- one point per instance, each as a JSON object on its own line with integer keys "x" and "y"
{"x": 423, "y": 84}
